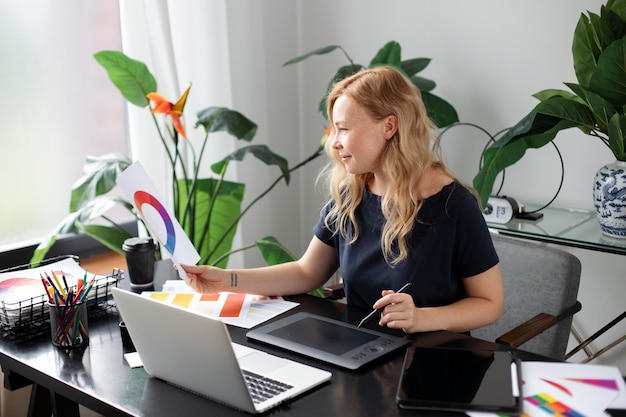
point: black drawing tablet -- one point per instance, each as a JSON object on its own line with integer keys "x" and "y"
{"x": 455, "y": 379}
{"x": 328, "y": 340}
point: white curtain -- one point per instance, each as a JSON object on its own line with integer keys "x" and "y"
{"x": 181, "y": 42}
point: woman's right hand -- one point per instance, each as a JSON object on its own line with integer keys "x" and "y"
{"x": 204, "y": 279}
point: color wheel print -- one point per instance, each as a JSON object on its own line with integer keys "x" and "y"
{"x": 141, "y": 198}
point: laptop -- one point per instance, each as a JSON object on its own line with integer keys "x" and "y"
{"x": 194, "y": 352}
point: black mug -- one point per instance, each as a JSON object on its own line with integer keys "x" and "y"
{"x": 140, "y": 256}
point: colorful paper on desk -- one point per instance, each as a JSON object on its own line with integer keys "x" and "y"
{"x": 140, "y": 190}
{"x": 241, "y": 310}
{"x": 566, "y": 389}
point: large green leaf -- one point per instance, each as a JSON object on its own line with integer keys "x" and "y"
{"x": 222, "y": 119}
{"x": 533, "y": 131}
{"x": 609, "y": 78}
{"x": 619, "y": 8}
{"x": 343, "y": 72}
{"x": 212, "y": 233}
{"x": 73, "y": 224}
{"x": 112, "y": 238}
{"x": 273, "y": 251}
{"x": 261, "y": 152}
{"x": 389, "y": 54}
{"x": 99, "y": 177}
{"x": 424, "y": 84}
{"x": 554, "y": 92}
{"x": 617, "y": 136}
{"x": 569, "y": 110}
{"x": 320, "y": 51}
{"x": 585, "y": 50}
{"x": 440, "y": 111}
{"x": 601, "y": 109}
{"x": 131, "y": 77}
{"x": 414, "y": 65}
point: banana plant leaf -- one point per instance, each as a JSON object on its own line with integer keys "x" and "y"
{"x": 222, "y": 119}
{"x": 439, "y": 110}
{"x": 74, "y": 223}
{"x": 213, "y": 225}
{"x": 262, "y": 153}
{"x": 99, "y": 177}
{"x": 131, "y": 77}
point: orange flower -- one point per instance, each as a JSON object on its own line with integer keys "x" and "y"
{"x": 161, "y": 105}
{"x": 324, "y": 139}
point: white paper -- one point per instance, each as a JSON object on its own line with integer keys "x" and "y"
{"x": 140, "y": 190}
{"x": 133, "y": 360}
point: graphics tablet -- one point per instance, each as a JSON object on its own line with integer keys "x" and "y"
{"x": 455, "y": 379}
{"x": 328, "y": 340}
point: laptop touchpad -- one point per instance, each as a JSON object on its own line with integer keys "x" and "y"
{"x": 261, "y": 363}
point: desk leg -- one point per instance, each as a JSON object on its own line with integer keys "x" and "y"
{"x": 39, "y": 402}
{"x": 46, "y": 403}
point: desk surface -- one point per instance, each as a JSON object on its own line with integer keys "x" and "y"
{"x": 99, "y": 378}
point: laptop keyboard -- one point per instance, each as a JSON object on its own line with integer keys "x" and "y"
{"x": 262, "y": 388}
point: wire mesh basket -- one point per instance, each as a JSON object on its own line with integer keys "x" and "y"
{"x": 29, "y": 317}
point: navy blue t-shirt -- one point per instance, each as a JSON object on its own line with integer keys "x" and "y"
{"x": 450, "y": 242}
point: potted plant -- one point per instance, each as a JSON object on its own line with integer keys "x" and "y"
{"x": 440, "y": 111}
{"x": 596, "y": 105}
{"x": 208, "y": 209}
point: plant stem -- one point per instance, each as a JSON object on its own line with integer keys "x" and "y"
{"x": 347, "y": 56}
{"x": 227, "y": 254}
{"x": 604, "y": 139}
{"x": 260, "y": 196}
{"x": 207, "y": 225}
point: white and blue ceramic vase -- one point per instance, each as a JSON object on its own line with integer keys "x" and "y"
{"x": 609, "y": 198}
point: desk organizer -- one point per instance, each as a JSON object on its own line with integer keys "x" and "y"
{"x": 29, "y": 317}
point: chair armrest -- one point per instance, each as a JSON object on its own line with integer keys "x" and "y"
{"x": 334, "y": 292}
{"x": 527, "y": 330}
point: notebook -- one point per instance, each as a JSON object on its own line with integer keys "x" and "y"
{"x": 194, "y": 352}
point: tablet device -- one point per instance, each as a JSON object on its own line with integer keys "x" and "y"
{"x": 458, "y": 379}
{"x": 328, "y": 340}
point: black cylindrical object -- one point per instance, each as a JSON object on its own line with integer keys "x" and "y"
{"x": 140, "y": 256}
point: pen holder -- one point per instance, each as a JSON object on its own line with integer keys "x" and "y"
{"x": 68, "y": 325}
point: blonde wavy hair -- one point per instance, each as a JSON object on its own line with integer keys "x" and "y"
{"x": 384, "y": 91}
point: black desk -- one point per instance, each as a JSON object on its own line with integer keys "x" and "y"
{"x": 99, "y": 378}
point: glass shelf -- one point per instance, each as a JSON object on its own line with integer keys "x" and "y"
{"x": 571, "y": 227}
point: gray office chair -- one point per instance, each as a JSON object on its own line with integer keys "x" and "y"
{"x": 540, "y": 297}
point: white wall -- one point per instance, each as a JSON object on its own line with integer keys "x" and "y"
{"x": 488, "y": 58}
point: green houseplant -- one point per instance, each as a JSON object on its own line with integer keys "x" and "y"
{"x": 596, "y": 104}
{"x": 440, "y": 111}
{"x": 209, "y": 209}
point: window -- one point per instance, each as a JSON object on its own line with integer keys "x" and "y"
{"x": 58, "y": 107}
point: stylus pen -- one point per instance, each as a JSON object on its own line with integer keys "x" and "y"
{"x": 378, "y": 310}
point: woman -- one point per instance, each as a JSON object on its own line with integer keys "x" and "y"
{"x": 396, "y": 215}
